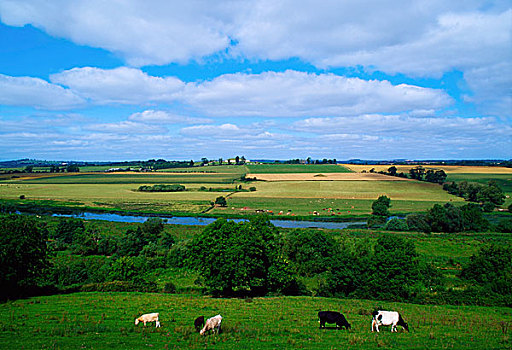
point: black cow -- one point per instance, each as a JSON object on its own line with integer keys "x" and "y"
{"x": 333, "y": 317}
{"x": 199, "y": 323}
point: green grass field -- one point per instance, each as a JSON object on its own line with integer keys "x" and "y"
{"x": 296, "y": 168}
{"x": 118, "y": 191}
{"x": 106, "y": 321}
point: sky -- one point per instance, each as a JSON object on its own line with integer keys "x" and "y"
{"x": 120, "y": 80}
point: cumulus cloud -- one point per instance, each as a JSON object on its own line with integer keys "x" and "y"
{"x": 165, "y": 31}
{"x": 416, "y": 38}
{"x": 120, "y": 85}
{"x": 165, "y": 117}
{"x": 293, "y": 93}
{"x": 35, "y": 92}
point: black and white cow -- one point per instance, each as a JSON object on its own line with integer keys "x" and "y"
{"x": 388, "y": 318}
{"x": 333, "y": 317}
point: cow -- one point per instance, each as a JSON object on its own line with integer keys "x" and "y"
{"x": 333, "y": 317}
{"x": 199, "y": 323}
{"x": 148, "y": 318}
{"x": 388, "y": 318}
{"x": 213, "y": 323}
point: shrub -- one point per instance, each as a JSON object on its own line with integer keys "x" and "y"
{"x": 417, "y": 222}
{"x": 23, "y": 254}
{"x": 381, "y": 206}
{"x": 252, "y": 188}
{"x": 396, "y": 224}
{"x": 491, "y": 268}
{"x": 309, "y": 251}
{"x": 169, "y": 287}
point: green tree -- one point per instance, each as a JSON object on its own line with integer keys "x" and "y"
{"x": 240, "y": 258}
{"x": 68, "y": 228}
{"x": 381, "y": 206}
{"x": 28, "y": 169}
{"x": 392, "y": 170}
{"x": 491, "y": 268}
{"x": 23, "y": 254}
{"x": 72, "y": 168}
{"x": 310, "y": 251}
{"x": 221, "y": 201}
{"x": 395, "y": 269}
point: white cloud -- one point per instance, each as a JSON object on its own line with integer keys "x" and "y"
{"x": 164, "y": 117}
{"x": 120, "y": 85}
{"x": 142, "y": 33}
{"x": 416, "y": 38}
{"x": 35, "y": 92}
{"x": 293, "y": 94}
{"x": 126, "y": 127}
{"x": 408, "y": 129}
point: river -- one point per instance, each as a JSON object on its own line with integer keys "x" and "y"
{"x": 191, "y": 220}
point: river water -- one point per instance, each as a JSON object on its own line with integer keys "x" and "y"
{"x": 190, "y": 220}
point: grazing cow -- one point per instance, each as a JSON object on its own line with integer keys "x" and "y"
{"x": 333, "y": 317}
{"x": 213, "y": 323}
{"x": 199, "y": 323}
{"x": 148, "y": 318}
{"x": 388, "y": 318}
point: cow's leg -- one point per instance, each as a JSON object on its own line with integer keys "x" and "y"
{"x": 157, "y": 324}
{"x": 322, "y": 324}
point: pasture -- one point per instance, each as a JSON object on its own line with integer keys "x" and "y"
{"x": 352, "y": 195}
{"x": 296, "y": 168}
{"x": 106, "y": 321}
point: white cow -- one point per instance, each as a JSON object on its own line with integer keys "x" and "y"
{"x": 212, "y": 323}
{"x": 148, "y": 318}
{"x": 388, "y": 318}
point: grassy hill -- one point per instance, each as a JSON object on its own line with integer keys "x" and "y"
{"x": 106, "y": 321}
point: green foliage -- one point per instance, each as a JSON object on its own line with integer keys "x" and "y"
{"x": 375, "y": 221}
{"x": 491, "y": 268}
{"x": 23, "y": 254}
{"x": 418, "y": 223}
{"x": 449, "y": 218}
{"x": 162, "y": 188}
{"x": 73, "y": 270}
{"x": 504, "y": 225}
{"x": 240, "y": 258}
{"x": 490, "y": 195}
{"x": 396, "y": 224}
{"x": 390, "y": 271}
{"x": 68, "y": 228}
{"x": 381, "y": 206}
{"x": 309, "y": 251}
{"x": 221, "y": 201}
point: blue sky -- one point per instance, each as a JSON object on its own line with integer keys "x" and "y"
{"x": 103, "y": 80}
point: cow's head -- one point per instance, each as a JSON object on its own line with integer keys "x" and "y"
{"x": 406, "y": 326}
{"x": 136, "y": 321}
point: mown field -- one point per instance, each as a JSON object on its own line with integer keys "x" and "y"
{"x": 296, "y": 168}
{"x": 290, "y": 190}
{"x": 106, "y": 321}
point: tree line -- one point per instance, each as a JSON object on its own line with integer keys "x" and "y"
{"x": 237, "y": 259}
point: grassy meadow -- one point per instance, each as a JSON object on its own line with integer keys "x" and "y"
{"x": 288, "y": 194}
{"x": 106, "y": 321}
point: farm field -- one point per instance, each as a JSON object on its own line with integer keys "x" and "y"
{"x": 449, "y": 169}
{"x": 352, "y": 196}
{"x": 296, "y": 168}
{"x": 105, "y": 321}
